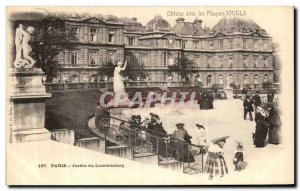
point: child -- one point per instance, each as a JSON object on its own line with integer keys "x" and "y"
{"x": 238, "y": 159}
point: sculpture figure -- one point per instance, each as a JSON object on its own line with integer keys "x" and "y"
{"x": 23, "y": 48}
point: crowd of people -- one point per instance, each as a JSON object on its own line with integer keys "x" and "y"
{"x": 177, "y": 144}
{"x": 206, "y": 100}
{"x": 268, "y": 122}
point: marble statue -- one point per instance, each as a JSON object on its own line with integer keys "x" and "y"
{"x": 23, "y": 48}
{"x": 119, "y": 87}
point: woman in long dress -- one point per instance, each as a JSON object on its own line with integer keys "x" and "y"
{"x": 275, "y": 126}
{"x": 262, "y": 126}
{"x": 119, "y": 87}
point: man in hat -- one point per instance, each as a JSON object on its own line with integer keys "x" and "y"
{"x": 256, "y": 100}
{"x": 248, "y": 108}
{"x": 215, "y": 164}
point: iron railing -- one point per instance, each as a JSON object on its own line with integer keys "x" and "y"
{"x": 145, "y": 142}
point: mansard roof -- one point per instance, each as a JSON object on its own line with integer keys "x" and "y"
{"x": 229, "y": 25}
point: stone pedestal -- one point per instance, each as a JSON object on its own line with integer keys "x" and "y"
{"x": 27, "y": 105}
{"x": 229, "y": 92}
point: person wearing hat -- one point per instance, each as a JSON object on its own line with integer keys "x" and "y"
{"x": 182, "y": 139}
{"x": 238, "y": 159}
{"x": 248, "y": 108}
{"x": 275, "y": 126}
{"x": 270, "y": 96}
{"x": 215, "y": 164}
{"x": 201, "y": 135}
{"x": 261, "y": 129}
{"x": 256, "y": 100}
{"x": 180, "y": 132}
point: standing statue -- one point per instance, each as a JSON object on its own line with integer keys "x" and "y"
{"x": 119, "y": 87}
{"x": 23, "y": 48}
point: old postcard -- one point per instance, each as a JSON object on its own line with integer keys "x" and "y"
{"x": 150, "y": 96}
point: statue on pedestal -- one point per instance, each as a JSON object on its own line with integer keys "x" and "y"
{"x": 23, "y": 48}
{"x": 119, "y": 87}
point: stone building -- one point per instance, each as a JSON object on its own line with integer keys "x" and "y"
{"x": 235, "y": 51}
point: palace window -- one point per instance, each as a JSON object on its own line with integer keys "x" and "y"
{"x": 245, "y": 79}
{"x": 230, "y": 62}
{"x": 230, "y": 79}
{"x": 143, "y": 60}
{"x": 195, "y": 44}
{"x": 255, "y": 44}
{"x": 221, "y": 79}
{"x": 75, "y": 32}
{"x": 211, "y": 44}
{"x": 184, "y": 43}
{"x": 111, "y": 36}
{"x": 244, "y": 43}
{"x": 208, "y": 80}
{"x": 221, "y": 44}
{"x": 74, "y": 58}
{"x": 266, "y": 78}
{"x": 255, "y": 79}
{"x": 255, "y": 61}
{"x": 200, "y": 44}
{"x": 245, "y": 61}
{"x": 130, "y": 41}
{"x": 266, "y": 61}
{"x": 93, "y": 58}
{"x": 230, "y": 44}
{"x": 220, "y": 62}
{"x": 93, "y": 35}
{"x": 209, "y": 59}
{"x": 111, "y": 57}
{"x": 165, "y": 58}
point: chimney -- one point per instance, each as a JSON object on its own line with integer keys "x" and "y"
{"x": 198, "y": 22}
{"x": 134, "y": 19}
{"x": 180, "y": 20}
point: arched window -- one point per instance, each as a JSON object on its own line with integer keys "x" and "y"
{"x": 221, "y": 80}
{"x": 94, "y": 78}
{"x": 245, "y": 79}
{"x": 230, "y": 79}
{"x": 266, "y": 78}
{"x": 255, "y": 79}
{"x": 74, "y": 78}
{"x": 208, "y": 80}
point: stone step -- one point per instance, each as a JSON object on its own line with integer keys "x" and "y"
{"x": 171, "y": 164}
{"x": 93, "y": 143}
{"x": 120, "y": 151}
{"x": 63, "y": 136}
{"x": 28, "y": 135}
{"x": 147, "y": 158}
